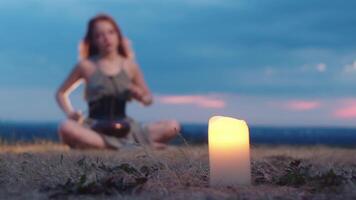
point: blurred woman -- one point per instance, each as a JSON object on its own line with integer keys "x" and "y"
{"x": 112, "y": 78}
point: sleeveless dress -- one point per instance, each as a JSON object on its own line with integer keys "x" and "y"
{"x": 107, "y": 97}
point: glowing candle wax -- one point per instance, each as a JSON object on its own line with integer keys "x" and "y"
{"x": 229, "y": 152}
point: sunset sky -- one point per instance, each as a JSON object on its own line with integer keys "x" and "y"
{"x": 276, "y": 62}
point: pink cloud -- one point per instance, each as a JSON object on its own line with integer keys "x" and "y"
{"x": 198, "y": 100}
{"x": 347, "y": 110}
{"x": 298, "y": 105}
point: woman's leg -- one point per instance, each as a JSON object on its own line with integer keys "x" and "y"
{"x": 77, "y": 136}
{"x": 163, "y": 131}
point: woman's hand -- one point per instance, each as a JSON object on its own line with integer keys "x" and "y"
{"x": 147, "y": 100}
{"x": 139, "y": 95}
{"x": 76, "y": 116}
{"x": 136, "y": 92}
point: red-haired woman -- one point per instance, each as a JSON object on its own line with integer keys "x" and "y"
{"x": 112, "y": 77}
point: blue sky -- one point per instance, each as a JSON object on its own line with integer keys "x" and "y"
{"x": 271, "y": 62}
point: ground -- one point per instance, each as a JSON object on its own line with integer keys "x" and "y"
{"x": 50, "y": 170}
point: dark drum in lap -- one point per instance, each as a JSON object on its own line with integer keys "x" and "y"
{"x": 109, "y": 115}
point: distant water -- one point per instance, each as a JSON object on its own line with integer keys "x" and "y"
{"x": 197, "y": 133}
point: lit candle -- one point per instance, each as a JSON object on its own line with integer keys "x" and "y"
{"x": 229, "y": 152}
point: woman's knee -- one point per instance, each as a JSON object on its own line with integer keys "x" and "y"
{"x": 173, "y": 127}
{"x": 163, "y": 130}
{"x": 72, "y": 133}
{"x": 65, "y": 128}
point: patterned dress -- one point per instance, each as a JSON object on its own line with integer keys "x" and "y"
{"x": 107, "y": 97}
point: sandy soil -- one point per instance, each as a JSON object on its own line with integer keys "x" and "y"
{"x": 49, "y": 170}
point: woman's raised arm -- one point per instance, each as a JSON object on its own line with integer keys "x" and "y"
{"x": 140, "y": 87}
{"x": 62, "y": 95}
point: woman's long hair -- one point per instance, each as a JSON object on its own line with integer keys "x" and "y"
{"x": 88, "y": 48}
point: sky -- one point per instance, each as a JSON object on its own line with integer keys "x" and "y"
{"x": 274, "y": 63}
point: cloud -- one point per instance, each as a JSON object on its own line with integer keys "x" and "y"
{"x": 269, "y": 71}
{"x": 40, "y": 105}
{"x": 206, "y": 2}
{"x": 198, "y": 100}
{"x": 321, "y": 67}
{"x": 256, "y": 110}
{"x": 350, "y": 68}
{"x": 297, "y": 105}
{"x": 347, "y": 110}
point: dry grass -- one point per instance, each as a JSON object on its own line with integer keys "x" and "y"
{"x": 41, "y": 171}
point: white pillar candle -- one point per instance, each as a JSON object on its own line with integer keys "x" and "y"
{"x": 229, "y": 152}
